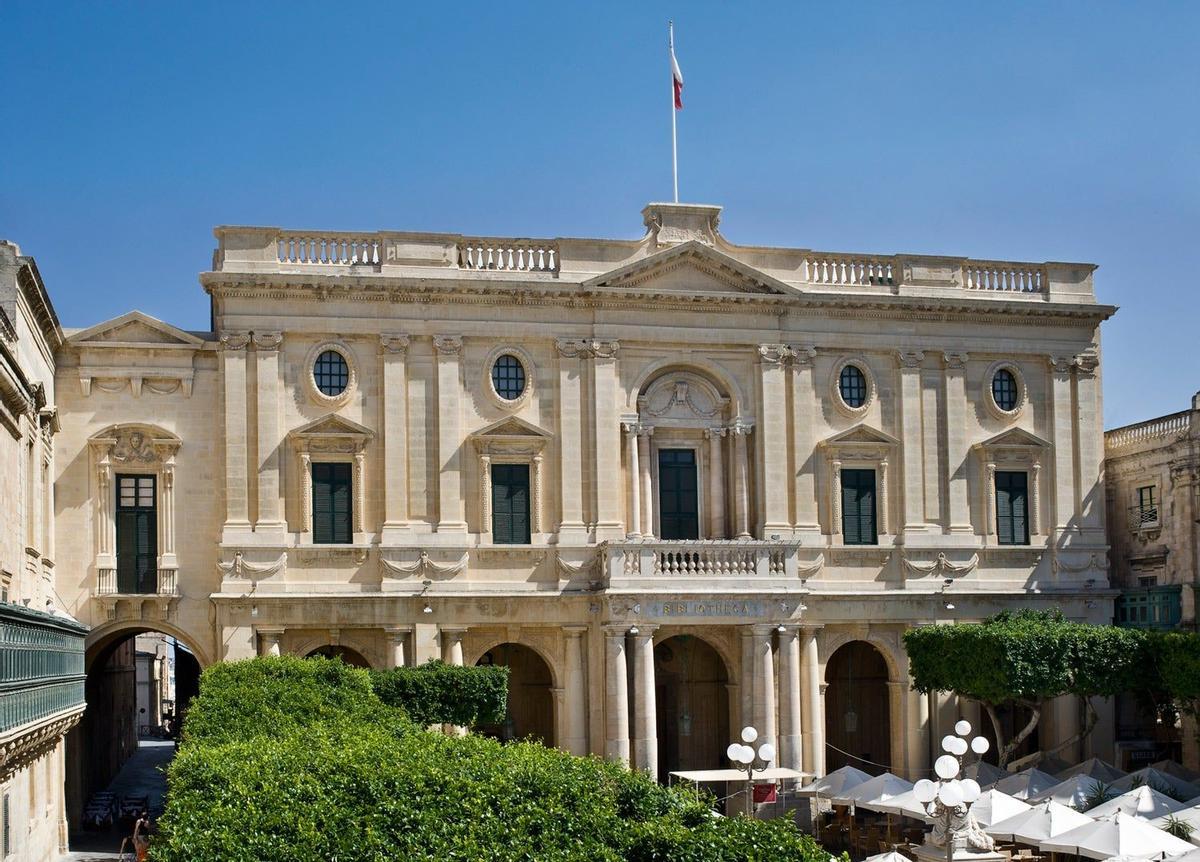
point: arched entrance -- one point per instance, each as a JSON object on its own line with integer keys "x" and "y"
{"x": 351, "y": 657}
{"x": 530, "y": 695}
{"x": 857, "y": 715}
{"x": 692, "y": 699}
{"x": 140, "y": 682}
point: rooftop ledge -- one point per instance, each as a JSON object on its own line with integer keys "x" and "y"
{"x": 264, "y": 250}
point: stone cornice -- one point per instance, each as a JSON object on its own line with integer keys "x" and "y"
{"x": 27, "y": 743}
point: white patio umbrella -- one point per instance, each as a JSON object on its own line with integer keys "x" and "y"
{"x": 1118, "y": 835}
{"x": 1027, "y": 783}
{"x": 1193, "y": 856}
{"x": 1174, "y": 767}
{"x": 1042, "y": 821}
{"x": 1093, "y": 767}
{"x": 890, "y": 856}
{"x": 985, "y": 774}
{"x": 870, "y": 794}
{"x": 906, "y": 805}
{"x": 1073, "y": 792}
{"x": 1143, "y": 802}
{"x": 995, "y": 805}
{"x": 1153, "y": 778}
{"x": 835, "y": 782}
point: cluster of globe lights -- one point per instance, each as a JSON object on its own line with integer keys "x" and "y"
{"x": 951, "y": 791}
{"x": 745, "y": 754}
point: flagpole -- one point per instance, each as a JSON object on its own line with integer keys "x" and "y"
{"x": 674, "y": 147}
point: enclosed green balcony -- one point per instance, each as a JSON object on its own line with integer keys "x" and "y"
{"x": 41, "y": 666}
{"x": 1157, "y": 607}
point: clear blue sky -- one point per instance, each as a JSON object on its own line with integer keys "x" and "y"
{"x": 1027, "y": 131}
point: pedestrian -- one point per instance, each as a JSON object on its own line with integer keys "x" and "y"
{"x": 141, "y": 836}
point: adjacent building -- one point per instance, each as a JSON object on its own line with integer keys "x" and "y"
{"x": 677, "y": 484}
{"x": 41, "y": 659}
{"x": 1152, "y": 485}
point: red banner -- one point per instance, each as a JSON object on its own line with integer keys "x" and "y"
{"x": 764, "y": 793}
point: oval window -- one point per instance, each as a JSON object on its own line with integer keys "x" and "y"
{"x": 852, "y": 386}
{"x": 1004, "y": 390}
{"x": 331, "y": 373}
{"x": 508, "y": 377}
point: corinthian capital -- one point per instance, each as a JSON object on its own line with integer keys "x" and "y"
{"x": 910, "y": 358}
{"x": 774, "y": 354}
{"x": 804, "y": 354}
{"x": 393, "y": 342}
{"x": 1087, "y": 362}
{"x": 451, "y": 345}
{"x": 955, "y": 358}
{"x": 603, "y": 349}
{"x": 235, "y": 340}
{"x": 267, "y": 340}
{"x": 569, "y": 348}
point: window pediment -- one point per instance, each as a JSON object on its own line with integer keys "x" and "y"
{"x": 331, "y": 433}
{"x": 1014, "y": 446}
{"x": 510, "y": 436}
{"x": 682, "y": 398}
{"x": 862, "y": 443}
{"x": 136, "y": 444}
{"x": 689, "y": 268}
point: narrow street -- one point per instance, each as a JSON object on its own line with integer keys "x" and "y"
{"x": 142, "y": 775}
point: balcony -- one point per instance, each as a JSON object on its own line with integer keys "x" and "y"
{"x": 1144, "y": 518}
{"x": 1157, "y": 607}
{"x": 702, "y": 566}
{"x": 163, "y": 597}
{"x": 41, "y": 682}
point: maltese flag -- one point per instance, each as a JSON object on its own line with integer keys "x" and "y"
{"x": 676, "y": 76}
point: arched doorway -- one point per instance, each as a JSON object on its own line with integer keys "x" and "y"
{"x": 351, "y": 657}
{"x": 857, "y": 715}
{"x": 140, "y": 682}
{"x": 692, "y": 699}
{"x": 530, "y": 713}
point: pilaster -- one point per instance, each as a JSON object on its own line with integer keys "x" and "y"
{"x": 773, "y": 490}
{"x": 1090, "y": 457}
{"x": 911, "y": 434}
{"x": 269, "y": 521}
{"x": 237, "y": 480}
{"x": 805, "y": 407}
{"x": 451, "y": 511}
{"x": 956, "y": 441}
{"x": 1064, "y": 445}
{"x": 393, "y": 396}
{"x": 607, "y": 440}
{"x": 571, "y": 529}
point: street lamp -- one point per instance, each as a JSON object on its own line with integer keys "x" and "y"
{"x": 949, "y": 799}
{"x": 743, "y": 754}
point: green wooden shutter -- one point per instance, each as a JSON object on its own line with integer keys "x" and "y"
{"x": 1012, "y": 507}
{"x": 858, "y": 507}
{"x": 147, "y": 551}
{"x": 127, "y": 577}
{"x": 137, "y": 534}
{"x": 510, "y": 504}
{"x": 332, "y": 504}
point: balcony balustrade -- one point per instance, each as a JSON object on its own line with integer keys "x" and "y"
{"x": 41, "y": 666}
{"x": 1157, "y": 607}
{"x": 711, "y": 564}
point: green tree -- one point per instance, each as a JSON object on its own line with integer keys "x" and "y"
{"x": 1025, "y": 659}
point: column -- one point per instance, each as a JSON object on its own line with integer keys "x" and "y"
{"x": 645, "y": 479}
{"x": 397, "y": 637}
{"x": 635, "y": 481}
{"x": 835, "y": 503}
{"x": 956, "y": 440}
{"x": 896, "y": 720}
{"x": 270, "y": 499}
{"x": 485, "y": 496}
{"x": 716, "y": 482}
{"x": 451, "y": 514}
{"x": 570, "y": 424}
{"x": 772, "y": 440}
{"x": 271, "y": 638}
{"x": 1089, "y": 495}
{"x": 452, "y": 651}
{"x": 575, "y": 737}
{"x": 741, "y": 478}
{"x": 805, "y": 407}
{"x": 918, "y": 734}
{"x": 393, "y": 348}
{"x": 912, "y": 441}
{"x": 237, "y": 482}
{"x": 764, "y": 685}
{"x": 536, "y": 496}
{"x": 791, "y": 754}
{"x": 616, "y": 694}
{"x": 645, "y": 711}
{"x": 812, "y": 713}
{"x": 607, "y": 440}
{"x": 1063, "y": 440}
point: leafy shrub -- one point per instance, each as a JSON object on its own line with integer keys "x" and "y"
{"x": 352, "y": 779}
{"x": 1178, "y": 827}
{"x": 440, "y": 693}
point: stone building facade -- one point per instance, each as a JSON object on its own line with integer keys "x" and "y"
{"x": 679, "y": 485}
{"x": 1152, "y": 484}
{"x": 41, "y": 675}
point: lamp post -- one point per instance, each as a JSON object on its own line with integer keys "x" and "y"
{"x": 949, "y": 799}
{"x": 743, "y": 754}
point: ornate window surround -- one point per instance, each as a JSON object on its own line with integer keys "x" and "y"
{"x": 530, "y": 377}
{"x": 860, "y": 448}
{"x": 137, "y": 449}
{"x": 989, "y": 397}
{"x": 310, "y": 380}
{"x": 860, "y": 362}
{"x": 511, "y": 441}
{"x": 331, "y": 439}
{"x": 1015, "y": 449}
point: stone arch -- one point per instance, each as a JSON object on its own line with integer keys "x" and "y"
{"x": 348, "y": 654}
{"x": 897, "y": 664}
{"x": 694, "y": 713}
{"x": 859, "y": 713}
{"x": 104, "y": 636}
{"x": 309, "y": 645}
{"x": 531, "y": 704}
{"x": 698, "y": 365}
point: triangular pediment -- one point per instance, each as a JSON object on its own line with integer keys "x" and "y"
{"x": 689, "y": 268}
{"x": 332, "y": 426}
{"x": 135, "y": 328}
{"x": 1014, "y": 437}
{"x": 862, "y": 434}
{"x": 511, "y": 426}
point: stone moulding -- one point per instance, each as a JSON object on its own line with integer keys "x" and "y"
{"x": 239, "y": 567}
{"x": 423, "y": 565}
{"x": 25, "y": 744}
{"x": 1095, "y": 562}
{"x": 940, "y": 566}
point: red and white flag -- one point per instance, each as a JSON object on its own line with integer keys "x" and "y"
{"x": 676, "y": 75}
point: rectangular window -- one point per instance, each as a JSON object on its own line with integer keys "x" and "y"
{"x": 1147, "y": 506}
{"x": 332, "y": 512}
{"x": 137, "y": 535}
{"x": 858, "y": 507}
{"x": 1012, "y": 507}
{"x": 510, "y": 504}
{"x": 678, "y": 499}
{"x": 7, "y": 816}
